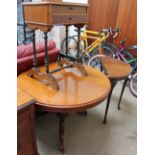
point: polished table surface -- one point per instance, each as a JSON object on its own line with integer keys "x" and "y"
{"x": 76, "y": 91}
{"x": 23, "y": 98}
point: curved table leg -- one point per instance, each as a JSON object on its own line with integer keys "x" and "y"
{"x": 124, "y": 84}
{"x": 113, "y": 83}
{"x": 61, "y": 132}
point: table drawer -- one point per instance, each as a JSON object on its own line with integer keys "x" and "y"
{"x": 60, "y": 19}
{"x": 69, "y": 9}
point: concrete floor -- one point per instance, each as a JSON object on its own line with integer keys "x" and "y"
{"x": 87, "y": 135}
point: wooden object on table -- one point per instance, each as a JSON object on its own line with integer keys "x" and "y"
{"x": 76, "y": 92}
{"x": 116, "y": 70}
{"x": 43, "y": 16}
{"x": 26, "y": 140}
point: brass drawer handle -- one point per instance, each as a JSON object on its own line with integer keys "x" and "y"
{"x": 70, "y": 18}
{"x": 71, "y": 8}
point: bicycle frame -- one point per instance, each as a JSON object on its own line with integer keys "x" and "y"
{"x": 98, "y": 39}
{"x": 120, "y": 56}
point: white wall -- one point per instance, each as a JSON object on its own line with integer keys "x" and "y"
{"x": 56, "y": 34}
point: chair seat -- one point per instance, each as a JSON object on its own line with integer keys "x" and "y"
{"x": 116, "y": 69}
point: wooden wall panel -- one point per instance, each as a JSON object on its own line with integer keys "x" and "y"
{"x": 102, "y": 13}
{"x": 127, "y": 21}
{"x": 115, "y": 13}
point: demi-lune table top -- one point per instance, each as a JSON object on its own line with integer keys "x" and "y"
{"x": 116, "y": 69}
{"x": 76, "y": 92}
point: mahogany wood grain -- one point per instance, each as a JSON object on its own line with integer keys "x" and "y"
{"x": 59, "y": 9}
{"x": 102, "y": 14}
{"x": 67, "y": 19}
{"x": 26, "y": 139}
{"x": 115, "y": 13}
{"x": 116, "y": 69}
{"x": 23, "y": 98}
{"x": 127, "y": 21}
{"x": 60, "y": 2}
{"x": 44, "y": 15}
{"x": 54, "y": 3}
{"x": 76, "y": 92}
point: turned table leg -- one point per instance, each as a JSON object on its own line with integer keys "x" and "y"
{"x": 46, "y": 53}
{"x": 78, "y": 44}
{"x": 113, "y": 83}
{"x": 34, "y": 50}
{"x": 62, "y": 130}
{"x": 66, "y": 41}
{"x": 124, "y": 84}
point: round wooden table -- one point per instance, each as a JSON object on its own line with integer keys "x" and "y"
{"x": 116, "y": 70}
{"x": 76, "y": 92}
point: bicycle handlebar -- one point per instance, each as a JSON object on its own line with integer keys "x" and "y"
{"x": 117, "y": 32}
{"x": 110, "y": 31}
{"x": 107, "y": 32}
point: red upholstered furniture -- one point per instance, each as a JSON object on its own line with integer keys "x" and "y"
{"x": 25, "y": 55}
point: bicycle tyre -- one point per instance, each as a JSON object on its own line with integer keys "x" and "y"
{"x": 109, "y": 49}
{"x": 133, "y": 85}
{"x": 95, "y": 62}
{"x": 63, "y": 44}
{"x": 72, "y": 41}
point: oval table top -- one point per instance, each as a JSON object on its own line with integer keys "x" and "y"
{"x": 115, "y": 68}
{"x": 76, "y": 91}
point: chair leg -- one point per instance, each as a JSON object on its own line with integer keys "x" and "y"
{"x": 123, "y": 88}
{"x": 113, "y": 83}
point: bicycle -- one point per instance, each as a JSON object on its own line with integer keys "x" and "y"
{"x": 86, "y": 50}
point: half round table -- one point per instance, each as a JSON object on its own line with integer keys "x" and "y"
{"x": 116, "y": 70}
{"x": 76, "y": 92}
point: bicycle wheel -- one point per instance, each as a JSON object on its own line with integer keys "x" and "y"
{"x": 133, "y": 85}
{"x": 96, "y": 62}
{"x": 109, "y": 49}
{"x": 72, "y": 46}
